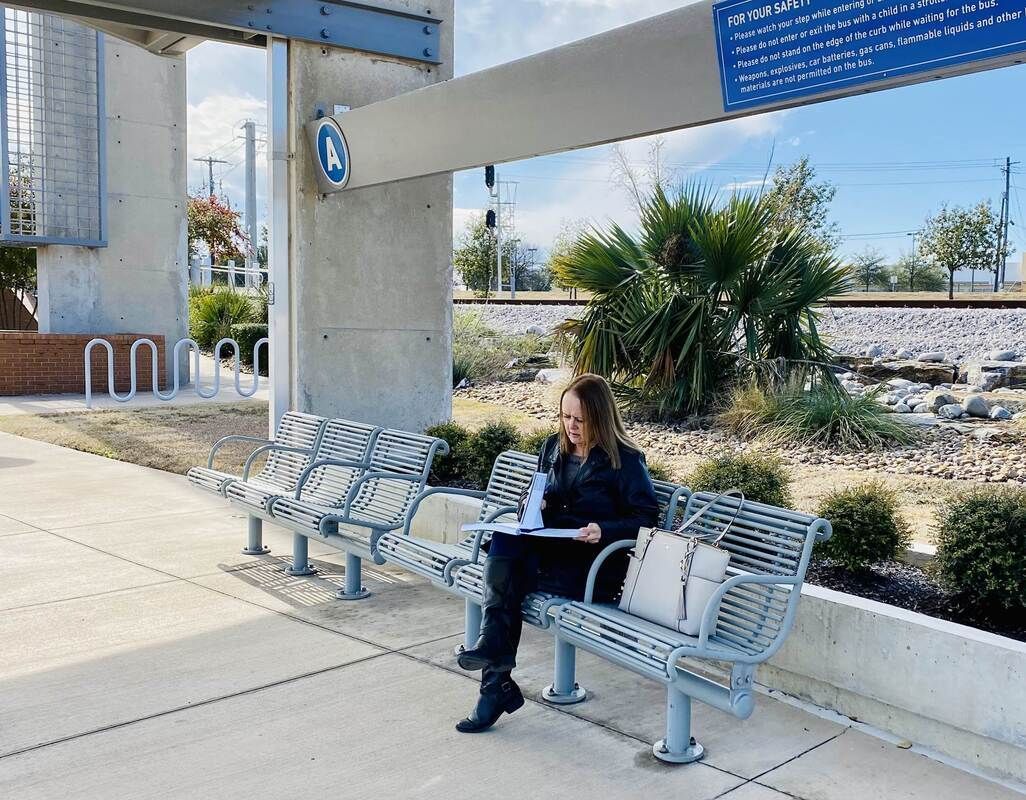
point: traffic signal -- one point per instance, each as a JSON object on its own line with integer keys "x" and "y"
{"x": 490, "y": 219}
{"x": 490, "y": 177}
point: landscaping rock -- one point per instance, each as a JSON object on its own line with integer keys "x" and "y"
{"x": 1003, "y": 355}
{"x": 907, "y": 355}
{"x": 937, "y": 400}
{"x": 1010, "y": 373}
{"x": 874, "y": 351}
{"x": 902, "y": 408}
{"x": 900, "y": 383}
{"x": 951, "y": 411}
{"x": 934, "y": 357}
{"x": 527, "y": 375}
{"x": 976, "y": 405}
{"x": 553, "y": 376}
{"x": 922, "y": 408}
{"x": 1000, "y": 413}
{"x": 911, "y": 371}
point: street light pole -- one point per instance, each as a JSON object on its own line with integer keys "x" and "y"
{"x": 912, "y": 273}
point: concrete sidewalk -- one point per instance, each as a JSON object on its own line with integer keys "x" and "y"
{"x": 144, "y": 656}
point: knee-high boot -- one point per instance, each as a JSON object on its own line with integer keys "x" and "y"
{"x": 499, "y": 694}
{"x": 501, "y": 623}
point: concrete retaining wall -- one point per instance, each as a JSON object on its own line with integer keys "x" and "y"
{"x": 953, "y": 689}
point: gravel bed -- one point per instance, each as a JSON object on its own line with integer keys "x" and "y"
{"x": 946, "y": 452}
{"x": 963, "y": 334}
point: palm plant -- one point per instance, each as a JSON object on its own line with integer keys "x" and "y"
{"x": 705, "y": 294}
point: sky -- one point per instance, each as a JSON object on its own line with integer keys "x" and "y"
{"x": 895, "y": 157}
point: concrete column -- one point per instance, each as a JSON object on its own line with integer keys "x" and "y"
{"x": 139, "y": 283}
{"x": 371, "y": 269}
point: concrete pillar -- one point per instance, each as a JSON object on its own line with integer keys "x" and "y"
{"x": 371, "y": 269}
{"x": 139, "y": 283}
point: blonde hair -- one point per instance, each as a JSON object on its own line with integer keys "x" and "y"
{"x": 603, "y": 424}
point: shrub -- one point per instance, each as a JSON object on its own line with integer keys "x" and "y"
{"x": 247, "y": 334}
{"x": 452, "y": 468}
{"x": 213, "y": 315}
{"x": 487, "y": 445}
{"x": 820, "y": 416}
{"x": 533, "y": 442}
{"x": 867, "y": 524}
{"x": 659, "y": 470}
{"x": 982, "y": 549}
{"x": 761, "y": 478}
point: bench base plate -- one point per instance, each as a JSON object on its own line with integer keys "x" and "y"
{"x": 691, "y": 754}
{"x": 259, "y": 551}
{"x": 300, "y": 572}
{"x": 578, "y": 695}
{"x": 342, "y": 594}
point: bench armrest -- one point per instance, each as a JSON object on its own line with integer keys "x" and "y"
{"x": 600, "y": 559}
{"x": 279, "y": 448}
{"x": 712, "y": 611}
{"x": 326, "y": 462}
{"x": 235, "y": 438}
{"x": 475, "y": 550}
{"x": 477, "y": 495}
{"x": 344, "y": 517}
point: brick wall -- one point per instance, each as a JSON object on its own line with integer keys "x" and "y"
{"x": 54, "y": 363}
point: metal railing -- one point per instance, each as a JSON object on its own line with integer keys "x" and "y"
{"x": 253, "y": 277}
{"x": 177, "y": 386}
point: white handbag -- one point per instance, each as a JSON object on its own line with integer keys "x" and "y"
{"x": 673, "y": 574}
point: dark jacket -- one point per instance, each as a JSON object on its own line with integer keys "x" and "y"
{"x": 621, "y": 501}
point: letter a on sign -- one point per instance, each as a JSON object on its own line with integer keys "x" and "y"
{"x": 332, "y": 153}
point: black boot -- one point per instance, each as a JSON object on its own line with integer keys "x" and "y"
{"x": 499, "y": 693}
{"x": 501, "y": 622}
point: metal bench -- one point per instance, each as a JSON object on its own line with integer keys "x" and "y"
{"x": 744, "y": 625}
{"x": 437, "y": 561}
{"x": 341, "y": 458}
{"x": 377, "y": 501}
{"x": 539, "y": 608}
{"x": 289, "y": 454}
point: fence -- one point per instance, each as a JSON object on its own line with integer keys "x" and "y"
{"x": 251, "y": 276}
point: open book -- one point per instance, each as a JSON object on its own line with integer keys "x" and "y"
{"x": 531, "y": 522}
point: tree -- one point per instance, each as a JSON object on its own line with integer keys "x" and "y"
{"x": 474, "y": 258}
{"x": 915, "y": 274}
{"x": 867, "y": 266}
{"x": 637, "y": 181}
{"x": 960, "y": 238}
{"x": 796, "y": 200}
{"x": 217, "y": 226}
{"x": 569, "y": 232}
{"x": 17, "y": 278}
{"x": 705, "y": 294}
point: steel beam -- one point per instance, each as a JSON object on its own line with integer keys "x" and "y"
{"x": 339, "y": 23}
{"x": 656, "y": 75}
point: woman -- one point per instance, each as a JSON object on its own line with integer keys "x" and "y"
{"x": 597, "y": 482}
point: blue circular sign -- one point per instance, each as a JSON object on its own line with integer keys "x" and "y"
{"x": 332, "y": 152}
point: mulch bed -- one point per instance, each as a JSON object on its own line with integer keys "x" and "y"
{"x": 914, "y": 589}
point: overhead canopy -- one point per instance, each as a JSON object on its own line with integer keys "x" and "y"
{"x": 170, "y": 27}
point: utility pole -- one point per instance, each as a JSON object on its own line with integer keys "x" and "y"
{"x": 251, "y": 221}
{"x": 209, "y": 161}
{"x": 1003, "y": 222}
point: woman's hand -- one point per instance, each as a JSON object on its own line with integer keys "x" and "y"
{"x": 590, "y": 535}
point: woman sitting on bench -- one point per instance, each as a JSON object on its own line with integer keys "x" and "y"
{"x": 597, "y": 482}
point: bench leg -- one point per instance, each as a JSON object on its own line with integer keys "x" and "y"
{"x": 353, "y": 589}
{"x": 679, "y": 747}
{"x": 255, "y": 545}
{"x": 300, "y": 558}
{"x": 565, "y": 690}
{"x": 471, "y": 627}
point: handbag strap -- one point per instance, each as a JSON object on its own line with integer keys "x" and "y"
{"x": 708, "y": 537}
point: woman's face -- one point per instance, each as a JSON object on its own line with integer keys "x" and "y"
{"x": 572, "y": 415}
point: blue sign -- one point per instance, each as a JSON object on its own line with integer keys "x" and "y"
{"x": 772, "y": 51}
{"x": 332, "y": 152}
